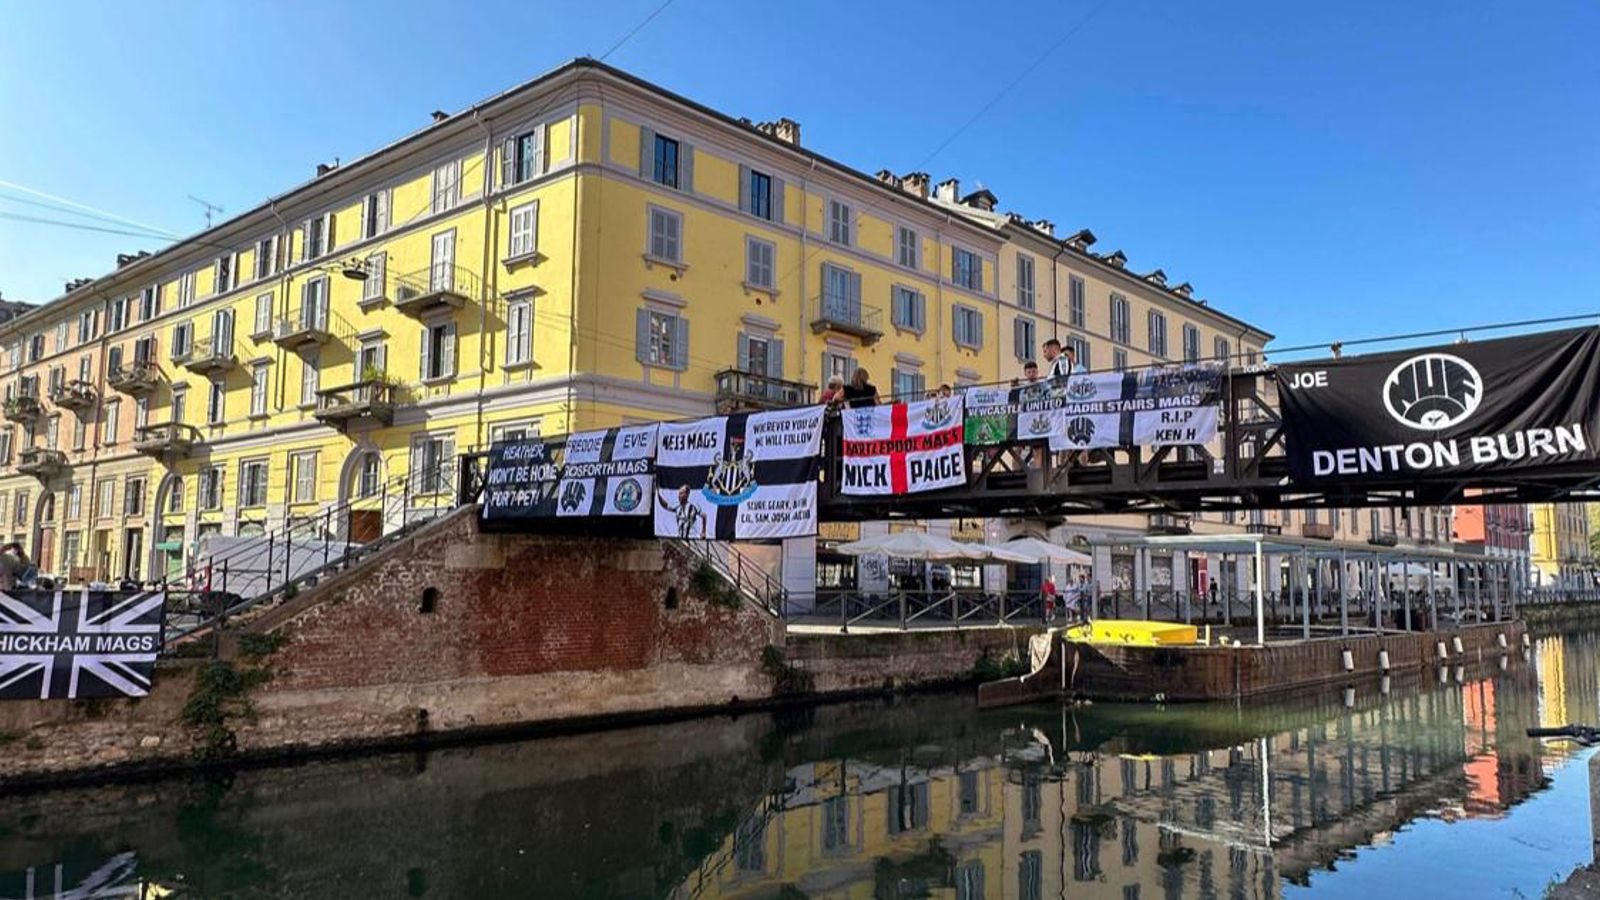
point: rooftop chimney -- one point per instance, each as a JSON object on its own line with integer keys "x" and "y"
{"x": 948, "y": 190}
{"x": 325, "y": 168}
{"x": 1185, "y": 290}
{"x": 440, "y": 115}
{"x": 76, "y": 283}
{"x": 128, "y": 259}
{"x": 889, "y": 178}
{"x": 1116, "y": 258}
{"x": 916, "y": 183}
{"x": 1045, "y": 226}
{"x": 1082, "y": 239}
{"x": 785, "y": 129}
{"x": 1157, "y": 277}
{"x": 982, "y": 198}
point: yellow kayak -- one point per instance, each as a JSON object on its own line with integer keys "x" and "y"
{"x": 1132, "y": 633}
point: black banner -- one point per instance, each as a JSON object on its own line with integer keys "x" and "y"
{"x": 593, "y": 473}
{"x": 1483, "y": 407}
{"x": 78, "y": 644}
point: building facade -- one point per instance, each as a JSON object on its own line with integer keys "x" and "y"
{"x": 1560, "y": 546}
{"x": 582, "y": 251}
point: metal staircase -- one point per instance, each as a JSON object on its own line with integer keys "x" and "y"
{"x": 753, "y": 582}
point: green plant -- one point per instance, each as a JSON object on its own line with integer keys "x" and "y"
{"x": 34, "y": 742}
{"x": 291, "y": 591}
{"x": 7, "y": 737}
{"x": 713, "y": 588}
{"x": 220, "y": 694}
{"x": 989, "y": 667}
{"x": 787, "y": 678}
{"x": 256, "y": 646}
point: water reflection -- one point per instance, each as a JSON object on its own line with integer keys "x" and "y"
{"x": 927, "y": 797}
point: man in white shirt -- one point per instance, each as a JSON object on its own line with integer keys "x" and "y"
{"x": 1060, "y": 363}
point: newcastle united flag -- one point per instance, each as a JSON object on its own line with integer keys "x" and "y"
{"x": 1507, "y": 405}
{"x": 78, "y": 644}
{"x": 1153, "y": 407}
{"x": 751, "y": 476}
{"x": 903, "y": 448}
{"x": 592, "y": 473}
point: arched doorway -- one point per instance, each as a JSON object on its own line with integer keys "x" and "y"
{"x": 44, "y": 534}
{"x": 167, "y": 531}
{"x": 362, "y": 494}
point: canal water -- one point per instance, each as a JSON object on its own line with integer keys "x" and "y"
{"x": 1420, "y": 788}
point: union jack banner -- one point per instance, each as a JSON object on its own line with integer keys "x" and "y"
{"x": 78, "y": 644}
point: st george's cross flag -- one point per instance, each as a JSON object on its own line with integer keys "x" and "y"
{"x": 745, "y": 477}
{"x": 78, "y": 644}
{"x": 904, "y": 448}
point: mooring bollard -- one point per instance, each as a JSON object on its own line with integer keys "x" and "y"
{"x": 1439, "y": 649}
{"x": 1349, "y": 661}
{"x": 1383, "y": 661}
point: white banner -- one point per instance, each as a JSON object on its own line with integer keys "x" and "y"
{"x": 904, "y": 448}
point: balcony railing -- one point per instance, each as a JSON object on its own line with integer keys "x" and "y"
{"x": 172, "y": 439}
{"x": 23, "y": 408}
{"x": 847, "y": 316}
{"x": 208, "y": 356}
{"x": 305, "y": 327}
{"x": 1384, "y": 539}
{"x": 134, "y": 378}
{"x": 75, "y": 395}
{"x": 41, "y": 462}
{"x": 1170, "y": 523}
{"x": 739, "y": 391}
{"x": 440, "y": 286}
{"x": 1322, "y": 531}
{"x": 371, "y": 400}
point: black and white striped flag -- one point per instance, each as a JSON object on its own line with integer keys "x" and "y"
{"x": 751, "y": 476}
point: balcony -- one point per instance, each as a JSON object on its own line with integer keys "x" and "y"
{"x": 370, "y": 401}
{"x": 168, "y": 441}
{"x": 440, "y": 287}
{"x": 74, "y": 395}
{"x": 1263, "y": 528}
{"x": 846, "y": 316}
{"x": 42, "y": 463}
{"x": 1384, "y": 539}
{"x": 135, "y": 378}
{"x": 1170, "y": 523}
{"x": 739, "y": 391}
{"x": 23, "y": 408}
{"x": 302, "y": 329}
{"x": 208, "y": 357}
{"x": 1322, "y": 531}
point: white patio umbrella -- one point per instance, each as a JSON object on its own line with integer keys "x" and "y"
{"x": 1043, "y": 551}
{"x": 915, "y": 545}
{"x": 1006, "y": 553}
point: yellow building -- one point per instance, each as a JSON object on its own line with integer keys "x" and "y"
{"x": 581, "y": 251}
{"x": 1560, "y": 547}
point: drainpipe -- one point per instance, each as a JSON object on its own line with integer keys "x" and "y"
{"x": 490, "y": 242}
{"x": 284, "y": 247}
{"x": 1055, "y": 306}
{"x": 805, "y": 209}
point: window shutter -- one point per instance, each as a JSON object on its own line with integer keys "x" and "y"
{"x": 367, "y": 215}
{"x": 744, "y": 188}
{"x": 855, "y": 295}
{"x": 680, "y": 352}
{"x": 775, "y": 358}
{"x": 686, "y": 167}
{"x": 744, "y": 352}
{"x": 1017, "y": 339}
{"x": 647, "y": 152}
{"x": 327, "y": 232}
{"x": 641, "y": 336}
{"x": 777, "y": 199}
{"x": 538, "y": 150}
{"x": 508, "y": 162}
{"x": 448, "y": 355}
{"x": 427, "y": 351}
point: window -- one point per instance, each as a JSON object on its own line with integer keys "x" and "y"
{"x": 907, "y": 384}
{"x": 266, "y": 257}
{"x": 1075, "y": 301}
{"x": 222, "y": 333}
{"x": 52, "y": 431}
{"x": 1080, "y": 348}
{"x": 87, "y": 322}
{"x": 439, "y": 351}
{"x": 1221, "y": 351}
{"x": 519, "y": 332}
{"x": 373, "y": 361}
{"x": 75, "y": 501}
{"x": 105, "y": 499}
{"x": 837, "y": 364}
{"x": 446, "y": 186}
{"x": 908, "y": 248}
{"x": 108, "y": 425}
{"x": 841, "y": 294}
{"x": 758, "y": 263}
{"x": 310, "y": 378}
{"x": 761, "y": 354}
{"x": 36, "y": 346}
{"x": 369, "y": 481}
{"x": 20, "y": 511}
{"x": 375, "y": 214}
{"x": 149, "y": 303}
{"x": 967, "y": 327}
{"x": 1025, "y": 281}
{"x": 211, "y": 487}
{"x": 663, "y": 339}
{"x": 758, "y": 194}
{"x": 1158, "y": 333}
{"x": 1191, "y": 343}
{"x": 524, "y": 156}
{"x": 61, "y": 335}
{"x": 666, "y": 233}
{"x": 908, "y": 309}
{"x": 314, "y": 304}
{"x": 222, "y": 275}
{"x": 58, "y": 378}
{"x": 80, "y": 431}
{"x": 841, "y": 223}
{"x": 524, "y": 231}
{"x": 513, "y": 431}
{"x": 258, "y": 389}
{"x": 133, "y": 497}
{"x": 175, "y": 495}
{"x": 141, "y": 411}
{"x": 186, "y": 289}
{"x": 432, "y": 457}
{"x": 182, "y": 339}
{"x": 377, "y": 271}
{"x": 216, "y": 402}
{"x": 1120, "y": 320}
{"x": 1023, "y": 338}
{"x": 85, "y": 364}
{"x": 179, "y": 405}
{"x": 966, "y": 270}
{"x": 144, "y": 349}
{"x": 304, "y": 483}
{"x": 263, "y": 315}
{"x": 665, "y": 169}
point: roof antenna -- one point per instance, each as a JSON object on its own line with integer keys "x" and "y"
{"x": 211, "y": 208}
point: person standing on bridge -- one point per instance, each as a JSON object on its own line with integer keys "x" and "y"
{"x": 1061, "y": 363}
{"x": 861, "y": 391}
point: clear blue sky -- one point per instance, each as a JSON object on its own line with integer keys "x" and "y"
{"x": 1327, "y": 170}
